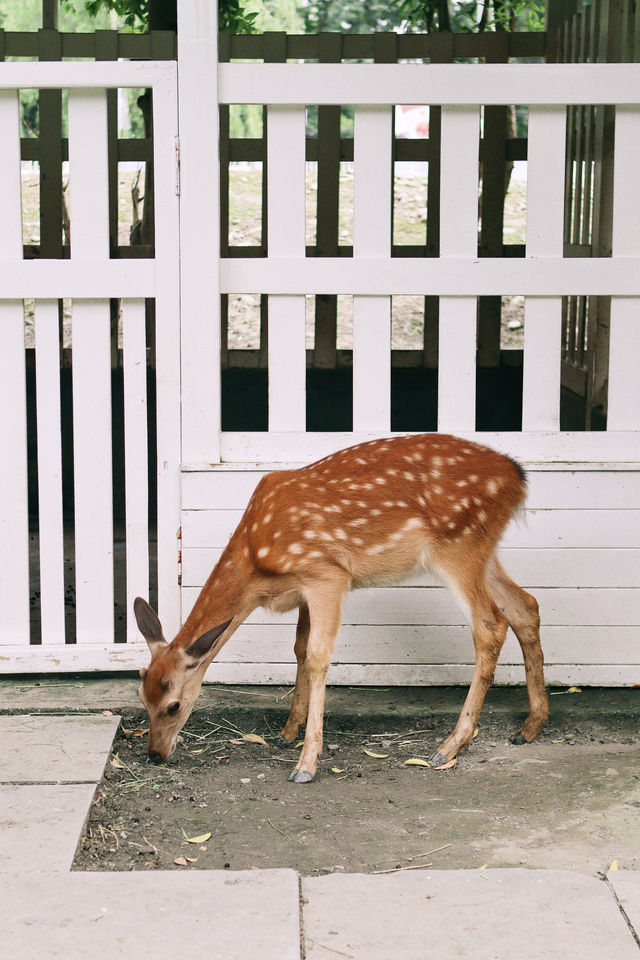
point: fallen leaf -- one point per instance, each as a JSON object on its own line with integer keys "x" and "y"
{"x": 484, "y": 866}
{"x": 140, "y": 733}
{"x": 107, "y": 713}
{"x": 117, "y": 762}
{"x": 613, "y": 866}
{"x": 447, "y": 765}
{"x": 191, "y": 859}
{"x": 299, "y": 744}
{"x": 201, "y": 839}
{"x": 558, "y": 741}
{"x": 201, "y": 750}
{"x": 336, "y": 770}
{"x": 236, "y": 741}
{"x": 475, "y": 733}
{"x": 376, "y": 756}
{"x": 416, "y": 762}
{"x": 180, "y": 861}
{"x": 574, "y": 690}
{"x": 254, "y": 738}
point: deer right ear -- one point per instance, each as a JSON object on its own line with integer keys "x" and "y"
{"x": 148, "y": 623}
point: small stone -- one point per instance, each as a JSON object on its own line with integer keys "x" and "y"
{"x": 245, "y": 779}
{"x": 261, "y": 776}
{"x": 514, "y": 324}
{"x": 333, "y": 746}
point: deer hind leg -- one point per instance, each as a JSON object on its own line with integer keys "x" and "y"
{"x": 521, "y": 610}
{"x": 325, "y": 609}
{"x": 489, "y": 628}
{"x": 300, "y": 703}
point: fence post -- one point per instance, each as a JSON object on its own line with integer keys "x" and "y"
{"x": 14, "y": 518}
{"x": 199, "y": 229}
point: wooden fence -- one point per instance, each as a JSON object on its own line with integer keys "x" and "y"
{"x": 602, "y": 31}
{"x": 34, "y": 558}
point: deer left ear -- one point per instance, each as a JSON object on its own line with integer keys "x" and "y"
{"x": 202, "y": 646}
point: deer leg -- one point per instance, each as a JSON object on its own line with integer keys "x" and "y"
{"x": 325, "y": 608}
{"x": 300, "y": 702}
{"x": 521, "y": 610}
{"x": 489, "y": 628}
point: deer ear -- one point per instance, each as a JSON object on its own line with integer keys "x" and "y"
{"x": 202, "y": 646}
{"x": 148, "y": 623}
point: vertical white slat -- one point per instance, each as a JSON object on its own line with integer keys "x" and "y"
{"x": 199, "y": 230}
{"x": 14, "y": 515}
{"x": 49, "y": 421}
{"x": 458, "y": 238}
{"x": 286, "y": 238}
{"x": 545, "y": 218}
{"x": 91, "y": 342}
{"x": 168, "y": 314}
{"x": 373, "y": 183}
{"x": 623, "y": 402}
{"x": 134, "y": 370}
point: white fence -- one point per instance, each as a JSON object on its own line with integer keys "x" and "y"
{"x": 90, "y": 279}
{"x": 581, "y": 550}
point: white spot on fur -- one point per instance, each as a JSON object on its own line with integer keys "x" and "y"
{"x": 482, "y": 516}
{"x": 414, "y": 523}
{"x": 295, "y": 548}
{"x": 339, "y": 534}
{"x": 408, "y": 475}
{"x": 310, "y": 534}
{"x": 376, "y": 512}
{"x": 461, "y": 483}
{"x": 378, "y": 548}
{"x": 263, "y": 552}
{"x": 359, "y": 522}
{"x": 267, "y": 518}
{"x": 380, "y": 480}
{"x": 492, "y": 487}
{"x": 357, "y": 541}
{"x": 314, "y": 554}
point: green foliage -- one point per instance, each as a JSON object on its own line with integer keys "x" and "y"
{"x": 133, "y": 14}
{"x": 233, "y": 17}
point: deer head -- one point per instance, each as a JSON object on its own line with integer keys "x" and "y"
{"x": 171, "y": 683}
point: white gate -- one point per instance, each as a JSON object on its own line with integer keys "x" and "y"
{"x": 580, "y": 550}
{"x": 90, "y": 279}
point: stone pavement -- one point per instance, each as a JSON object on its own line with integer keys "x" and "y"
{"x": 49, "y": 770}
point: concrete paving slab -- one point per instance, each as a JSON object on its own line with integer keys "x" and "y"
{"x": 44, "y": 749}
{"x": 213, "y": 915}
{"x": 40, "y": 825}
{"x": 626, "y": 886}
{"x": 478, "y": 915}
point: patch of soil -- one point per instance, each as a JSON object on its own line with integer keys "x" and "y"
{"x": 571, "y": 800}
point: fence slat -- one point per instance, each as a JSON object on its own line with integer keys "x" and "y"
{"x": 545, "y": 224}
{"x": 623, "y": 411}
{"x": 460, "y": 134}
{"x": 50, "y": 525}
{"x": 373, "y": 172}
{"x": 286, "y": 238}
{"x": 167, "y": 333}
{"x": 14, "y": 517}
{"x": 91, "y": 342}
{"x": 134, "y": 369}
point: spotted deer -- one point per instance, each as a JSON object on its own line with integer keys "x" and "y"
{"x": 368, "y": 514}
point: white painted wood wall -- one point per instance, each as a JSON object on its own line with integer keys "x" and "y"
{"x": 579, "y": 549}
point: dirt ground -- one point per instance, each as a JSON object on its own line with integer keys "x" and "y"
{"x": 571, "y": 800}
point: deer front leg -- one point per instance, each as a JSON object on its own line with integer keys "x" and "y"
{"x": 300, "y": 702}
{"x": 325, "y": 607}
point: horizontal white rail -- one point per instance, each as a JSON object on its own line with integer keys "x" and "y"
{"x": 491, "y": 84}
{"x": 455, "y": 276}
{"x": 71, "y": 75}
{"x": 87, "y": 279}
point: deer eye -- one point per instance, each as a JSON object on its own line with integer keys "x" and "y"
{"x": 173, "y": 707}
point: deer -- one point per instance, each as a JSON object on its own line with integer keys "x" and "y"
{"x": 368, "y": 514}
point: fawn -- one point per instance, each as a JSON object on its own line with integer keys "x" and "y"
{"x": 363, "y": 515}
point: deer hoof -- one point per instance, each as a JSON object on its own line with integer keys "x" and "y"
{"x": 518, "y": 739}
{"x": 438, "y": 759}
{"x": 301, "y": 776}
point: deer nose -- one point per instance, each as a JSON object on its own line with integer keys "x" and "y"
{"x": 154, "y": 756}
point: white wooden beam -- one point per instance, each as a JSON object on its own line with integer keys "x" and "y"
{"x": 373, "y": 183}
{"x": 460, "y": 141}
{"x": 286, "y": 238}
{"x": 623, "y": 401}
{"x": 543, "y": 316}
{"x": 14, "y": 517}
